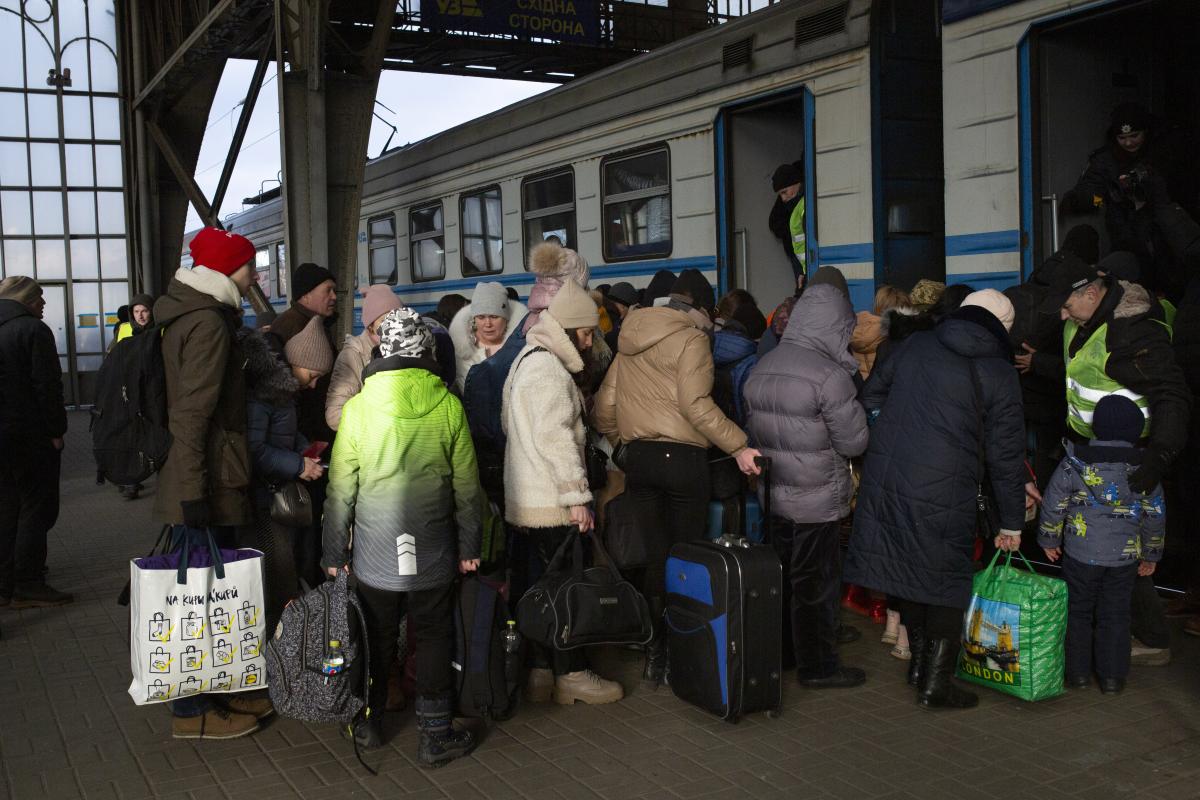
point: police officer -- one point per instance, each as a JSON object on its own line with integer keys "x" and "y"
{"x": 1116, "y": 339}
{"x": 787, "y": 217}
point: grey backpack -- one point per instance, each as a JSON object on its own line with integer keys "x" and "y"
{"x": 295, "y": 656}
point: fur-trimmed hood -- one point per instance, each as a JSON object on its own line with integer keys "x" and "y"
{"x": 466, "y": 351}
{"x": 897, "y": 324}
{"x": 268, "y": 377}
{"x": 1134, "y": 300}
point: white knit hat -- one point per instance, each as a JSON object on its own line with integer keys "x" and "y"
{"x": 995, "y": 302}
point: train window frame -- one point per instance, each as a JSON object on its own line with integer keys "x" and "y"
{"x": 263, "y": 254}
{"x": 281, "y": 270}
{"x": 463, "y": 235}
{"x": 382, "y": 243}
{"x": 527, "y": 215}
{"x": 416, "y": 238}
{"x": 632, "y": 196}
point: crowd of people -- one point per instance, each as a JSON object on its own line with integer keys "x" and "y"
{"x": 941, "y": 417}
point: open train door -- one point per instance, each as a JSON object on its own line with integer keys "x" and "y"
{"x": 752, "y": 139}
{"x": 1075, "y": 68}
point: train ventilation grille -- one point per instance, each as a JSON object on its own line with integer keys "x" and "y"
{"x": 737, "y": 53}
{"x": 823, "y": 23}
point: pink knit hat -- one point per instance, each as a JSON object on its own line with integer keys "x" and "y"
{"x": 377, "y": 301}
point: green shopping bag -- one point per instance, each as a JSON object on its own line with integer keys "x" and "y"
{"x": 1014, "y": 631}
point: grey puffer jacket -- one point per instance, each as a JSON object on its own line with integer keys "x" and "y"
{"x": 802, "y": 410}
{"x": 1089, "y": 510}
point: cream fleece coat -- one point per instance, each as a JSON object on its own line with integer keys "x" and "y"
{"x": 544, "y": 472}
{"x": 466, "y": 352}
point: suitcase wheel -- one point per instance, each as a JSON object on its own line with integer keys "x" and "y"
{"x": 774, "y": 713}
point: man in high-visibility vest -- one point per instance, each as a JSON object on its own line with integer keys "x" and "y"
{"x": 1115, "y": 341}
{"x": 788, "y": 217}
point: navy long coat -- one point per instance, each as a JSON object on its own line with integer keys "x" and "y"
{"x": 914, "y": 527}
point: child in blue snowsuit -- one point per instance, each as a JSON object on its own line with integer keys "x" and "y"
{"x": 1109, "y": 534}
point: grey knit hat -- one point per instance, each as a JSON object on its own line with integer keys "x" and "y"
{"x": 490, "y": 299}
{"x": 402, "y": 332}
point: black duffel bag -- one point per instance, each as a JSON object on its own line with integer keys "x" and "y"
{"x": 571, "y": 606}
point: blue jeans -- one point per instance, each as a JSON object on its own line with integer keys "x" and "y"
{"x": 226, "y": 537}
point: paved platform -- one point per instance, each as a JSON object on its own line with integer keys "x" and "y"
{"x": 68, "y": 729}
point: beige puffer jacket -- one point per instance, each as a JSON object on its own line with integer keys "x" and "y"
{"x": 660, "y": 385}
{"x": 346, "y": 380}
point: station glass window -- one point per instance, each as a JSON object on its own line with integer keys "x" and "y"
{"x": 381, "y": 246}
{"x": 482, "y": 238}
{"x": 548, "y": 209}
{"x": 637, "y": 205}
{"x": 427, "y": 242}
{"x": 262, "y": 270}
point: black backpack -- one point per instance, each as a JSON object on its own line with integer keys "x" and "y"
{"x": 130, "y": 439}
{"x": 486, "y": 673}
{"x": 483, "y": 391}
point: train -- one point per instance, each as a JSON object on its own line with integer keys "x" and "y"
{"x": 936, "y": 138}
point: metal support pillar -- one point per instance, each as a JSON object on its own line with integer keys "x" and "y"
{"x": 325, "y": 116}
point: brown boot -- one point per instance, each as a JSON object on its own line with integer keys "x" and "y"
{"x": 216, "y": 723}
{"x": 256, "y": 705}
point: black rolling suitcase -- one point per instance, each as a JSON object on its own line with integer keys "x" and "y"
{"x": 724, "y": 619}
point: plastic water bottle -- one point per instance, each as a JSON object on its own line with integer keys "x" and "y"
{"x": 334, "y": 659}
{"x": 512, "y": 653}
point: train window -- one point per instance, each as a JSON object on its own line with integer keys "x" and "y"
{"x": 637, "y": 205}
{"x": 262, "y": 270}
{"x": 482, "y": 239}
{"x": 548, "y": 209}
{"x": 381, "y": 248}
{"x": 428, "y": 242}
{"x": 281, "y": 271}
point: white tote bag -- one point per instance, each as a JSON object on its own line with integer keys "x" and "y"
{"x": 196, "y": 626}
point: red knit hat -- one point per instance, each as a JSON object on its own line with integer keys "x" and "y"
{"x": 223, "y": 251}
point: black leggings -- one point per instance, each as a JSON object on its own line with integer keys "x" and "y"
{"x": 667, "y": 484}
{"x": 938, "y": 622}
{"x": 431, "y": 616}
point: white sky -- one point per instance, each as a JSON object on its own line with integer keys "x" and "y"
{"x": 422, "y": 105}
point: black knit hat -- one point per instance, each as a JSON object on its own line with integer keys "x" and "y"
{"x": 623, "y": 293}
{"x": 659, "y": 286}
{"x": 1117, "y": 419}
{"x": 307, "y": 277}
{"x": 786, "y": 175}
{"x": 1129, "y": 118}
{"x": 693, "y": 284}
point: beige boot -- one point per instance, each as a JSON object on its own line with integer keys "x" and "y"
{"x": 891, "y": 631}
{"x": 586, "y": 687}
{"x": 216, "y": 723}
{"x": 539, "y": 686}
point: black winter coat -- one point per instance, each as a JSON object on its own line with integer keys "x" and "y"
{"x": 272, "y": 421}
{"x": 1042, "y": 386}
{"x": 1141, "y": 359}
{"x": 31, "y": 392}
{"x": 914, "y": 527}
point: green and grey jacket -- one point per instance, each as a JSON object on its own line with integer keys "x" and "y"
{"x": 403, "y": 478}
{"x": 1089, "y": 510}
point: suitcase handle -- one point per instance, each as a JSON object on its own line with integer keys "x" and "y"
{"x": 764, "y": 464}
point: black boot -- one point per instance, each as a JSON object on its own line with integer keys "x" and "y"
{"x": 916, "y": 645}
{"x": 938, "y": 689}
{"x": 440, "y": 742}
{"x": 655, "y": 671}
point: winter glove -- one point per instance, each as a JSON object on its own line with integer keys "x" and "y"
{"x": 1149, "y": 475}
{"x": 195, "y": 513}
